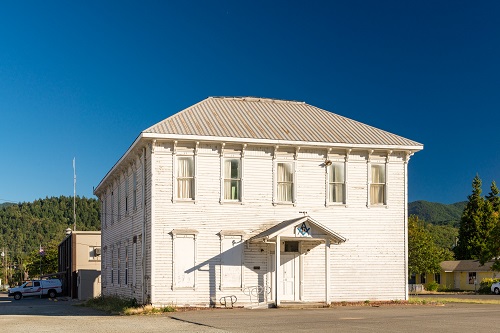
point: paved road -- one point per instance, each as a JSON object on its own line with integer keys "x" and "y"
{"x": 43, "y": 315}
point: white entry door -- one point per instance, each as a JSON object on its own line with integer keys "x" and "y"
{"x": 289, "y": 276}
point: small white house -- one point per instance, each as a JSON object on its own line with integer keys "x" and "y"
{"x": 204, "y": 204}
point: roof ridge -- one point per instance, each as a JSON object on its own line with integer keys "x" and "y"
{"x": 257, "y": 99}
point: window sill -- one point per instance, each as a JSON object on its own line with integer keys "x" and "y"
{"x": 231, "y": 202}
{"x": 185, "y": 201}
{"x": 281, "y": 203}
{"x": 378, "y": 206}
{"x": 336, "y": 204}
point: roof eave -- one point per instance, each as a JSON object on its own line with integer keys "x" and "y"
{"x": 412, "y": 148}
{"x": 132, "y": 147}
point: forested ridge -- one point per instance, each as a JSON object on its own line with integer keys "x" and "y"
{"x": 26, "y": 226}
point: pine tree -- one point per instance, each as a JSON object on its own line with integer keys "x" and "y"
{"x": 470, "y": 241}
{"x": 492, "y": 217}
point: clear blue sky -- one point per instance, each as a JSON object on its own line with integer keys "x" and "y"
{"x": 83, "y": 78}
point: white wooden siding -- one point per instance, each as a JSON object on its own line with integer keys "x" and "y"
{"x": 374, "y": 253}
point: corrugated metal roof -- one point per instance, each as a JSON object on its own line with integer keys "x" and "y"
{"x": 272, "y": 119}
{"x": 465, "y": 266}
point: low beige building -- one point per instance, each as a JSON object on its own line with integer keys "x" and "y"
{"x": 458, "y": 275}
{"x": 80, "y": 260}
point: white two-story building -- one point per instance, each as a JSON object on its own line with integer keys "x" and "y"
{"x": 204, "y": 204}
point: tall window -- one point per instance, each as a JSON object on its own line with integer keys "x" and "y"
{"x": 285, "y": 182}
{"x": 184, "y": 261}
{"x": 134, "y": 258}
{"x": 103, "y": 211}
{"x": 126, "y": 194}
{"x": 119, "y": 200}
{"x": 336, "y": 182}
{"x": 112, "y": 207}
{"x": 232, "y": 179}
{"x": 134, "y": 189}
{"x": 231, "y": 261}
{"x": 118, "y": 268}
{"x": 126, "y": 264}
{"x": 377, "y": 187}
{"x": 112, "y": 265}
{"x": 185, "y": 177}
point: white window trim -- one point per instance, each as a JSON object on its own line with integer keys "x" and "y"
{"x": 118, "y": 199}
{"x": 176, "y": 157}
{"x": 344, "y": 161}
{"x": 377, "y": 161}
{"x": 184, "y": 232}
{"x": 112, "y": 206}
{"x": 294, "y": 182}
{"x": 223, "y": 159}
{"x": 134, "y": 190}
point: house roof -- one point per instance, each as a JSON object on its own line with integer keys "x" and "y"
{"x": 283, "y": 226}
{"x": 273, "y": 119}
{"x": 465, "y": 266}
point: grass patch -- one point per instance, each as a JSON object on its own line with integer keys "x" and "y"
{"x": 123, "y": 306}
{"x": 444, "y": 300}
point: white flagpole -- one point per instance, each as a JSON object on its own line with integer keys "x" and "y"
{"x": 74, "y": 194}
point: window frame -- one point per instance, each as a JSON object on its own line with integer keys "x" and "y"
{"x": 330, "y": 168}
{"x": 292, "y": 182}
{"x": 238, "y": 179}
{"x": 181, "y": 261}
{"x": 372, "y": 184}
{"x": 178, "y": 178}
{"x": 234, "y": 238}
{"x": 473, "y": 276}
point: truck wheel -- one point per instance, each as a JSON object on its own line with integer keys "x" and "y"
{"x": 18, "y": 296}
{"x": 52, "y": 293}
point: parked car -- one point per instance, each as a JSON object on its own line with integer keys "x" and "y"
{"x": 495, "y": 288}
{"x": 37, "y": 288}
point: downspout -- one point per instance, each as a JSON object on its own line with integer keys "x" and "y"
{"x": 407, "y": 158}
{"x": 143, "y": 243}
{"x": 152, "y": 245}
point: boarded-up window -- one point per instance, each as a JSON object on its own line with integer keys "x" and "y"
{"x": 231, "y": 261}
{"x": 184, "y": 261}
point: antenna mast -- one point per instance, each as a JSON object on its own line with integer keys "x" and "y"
{"x": 74, "y": 194}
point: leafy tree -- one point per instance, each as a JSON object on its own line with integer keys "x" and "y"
{"x": 46, "y": 264}
{"x": 424, "y": 256}
{"x": 470, "y": 241}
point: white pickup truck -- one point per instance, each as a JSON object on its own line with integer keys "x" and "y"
{"x": 50, "y": 287}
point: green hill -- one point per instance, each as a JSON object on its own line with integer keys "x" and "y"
{"x": 437, "y": 213}
{"x": 26, "y": 226}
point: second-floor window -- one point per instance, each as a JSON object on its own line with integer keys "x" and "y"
{"x": 336, "y": 182}
{"x": 377, "y": 186}
{"x": 232, "y": 179}
{"x": 185, "y": 177}
{"x": 285, "y": 182}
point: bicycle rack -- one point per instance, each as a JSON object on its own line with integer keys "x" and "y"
{"x": 223, "y": 300}
{"x": 256, "y": 291}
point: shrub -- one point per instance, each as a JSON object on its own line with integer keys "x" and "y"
{"x": 111, "y": 304}
{"x": 485, "y": 285}
{"x": 432, "y": 286}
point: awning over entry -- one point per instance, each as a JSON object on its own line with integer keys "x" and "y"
{"x": 302, "y": 227}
